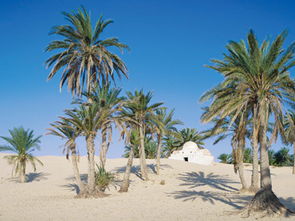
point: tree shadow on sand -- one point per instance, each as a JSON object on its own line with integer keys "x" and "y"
{"x": 222, "y": 190}
{"x": 136, "y": 169}
{"x": 36, "y": 177}
{"x": 194, "y": 179}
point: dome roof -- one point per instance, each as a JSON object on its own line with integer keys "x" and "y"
{"x": 190, "y": 146}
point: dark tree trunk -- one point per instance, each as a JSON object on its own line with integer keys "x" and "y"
{"x": 125, "y": 184}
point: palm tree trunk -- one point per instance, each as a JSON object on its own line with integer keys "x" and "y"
{"x": 255, "y": 175}
{"x": 22, "y": 172}
{"x": 91, "y": 163}
{"x": 159, "y": 153}
{"x": 143, "y": 166}
{"x": 103, "y": 149}
{"x": 265, "y": 200}
{"x": 240, "y": 162}
{"x": 293, "y": 172}
{"x": 76, "y": 169}
{"x": 125, "y": 184}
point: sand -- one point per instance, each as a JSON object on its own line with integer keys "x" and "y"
{"x": 191, "y": 192}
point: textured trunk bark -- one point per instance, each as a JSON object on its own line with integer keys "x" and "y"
{"x": 159, "y": 153}
{"x": 91, "y": 163}
{"x": 143, "y": 166}
{"x": 22, "y": 173}
{"x": 255, "y": 175}
{"x": 103, "y": 149}
{"x": 76, "y": 169}
{"x": 240, "y": 159}
{"x": 265, "y": 178}
{"x": 294, "y": 158}
{"x": 125, "y": 184}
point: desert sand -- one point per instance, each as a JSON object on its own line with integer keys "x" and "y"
{"x": 190, "y": 192}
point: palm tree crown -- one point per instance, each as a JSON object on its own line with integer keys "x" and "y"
{"x": 84, "y": 57}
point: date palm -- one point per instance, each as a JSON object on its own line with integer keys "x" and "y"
{"x": 289, "y": 125}
{"x": 138, "y": 108}
{"x": 69, "y": 133}
{"x": 110, "y": 102}
{"x": 188, "y": 134}
{"x": 23, "y": 143}
{"x": 164, "y": 124}
{"x": 256, "y": 77}
{"x": 238, "y": 132}
{"x": 87, "y": 118}
{"x": 82, "y": 56}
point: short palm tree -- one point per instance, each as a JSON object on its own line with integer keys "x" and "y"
{"x": 282, "y": 157}
{"x": 23, "y": 143}
{"x": 138, "y": 108}
{"x": 81, "y": 55}
{"x": 110, "y": 102}
{"x": 69, "y": 133}
{"x": 289, "y": 125}
{"x": 164, "y": 124}
{"x": 256, "y": 78}
{"x": 87, "y": 119}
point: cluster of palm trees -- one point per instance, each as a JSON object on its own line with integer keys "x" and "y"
{"x": 251, "y": 102}
{"x": 282, "y": 157}
{"x": 88, "y": 66}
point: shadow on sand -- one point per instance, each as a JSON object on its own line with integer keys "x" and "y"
{"x": 36, "y": 177}
{"x": 136, "y": 169}
{"x": 222, "y": 190}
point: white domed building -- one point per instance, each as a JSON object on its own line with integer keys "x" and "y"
{"x": 193, "y": 154}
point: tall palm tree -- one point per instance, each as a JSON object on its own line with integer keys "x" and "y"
{"x": 110, "y": 103}
{"x": 82, "y": 57}
{"x": 138, "y": 109}
{"x": 69, "y": 133}
{"x": 256, "y": 78}
{"x": 164, "y": 124}
{"x": 23, "y": 143}
{"x": 289, "y": 125}
{"x": 87, "y": 118}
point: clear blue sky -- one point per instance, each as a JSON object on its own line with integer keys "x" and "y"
{"x": 170, "y": 43}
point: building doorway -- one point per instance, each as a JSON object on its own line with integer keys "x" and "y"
{"x": 185, "y": 159}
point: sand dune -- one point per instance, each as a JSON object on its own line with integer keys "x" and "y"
{"x": 191, "y": 192}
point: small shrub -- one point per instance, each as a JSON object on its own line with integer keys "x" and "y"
{"x": 103, "y": 179}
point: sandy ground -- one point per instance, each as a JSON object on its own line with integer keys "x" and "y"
{"x": 191, "y": 192}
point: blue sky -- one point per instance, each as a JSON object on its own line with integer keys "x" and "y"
{"x": 170, "y": 43}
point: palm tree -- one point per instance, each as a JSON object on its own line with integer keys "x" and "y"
{"x": 69, "y": 133}
{"x": 164, "y": 124}
{"x": 87, "y": 118}
{"x": 110, "y": 102}
{"x": 224, "y": 158}
{"x": 238, "y": 132}
{"x": 256, "y": 78}
{"x": 82, "y": 57}
{"x": 289, "y": 125}
{"x": 23, "y": 143}
{"x": 189, "y": 134}
{"x": 133, "y": 140}
{"x": 138, "y": 109}
{"x": 282, "y": 157}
